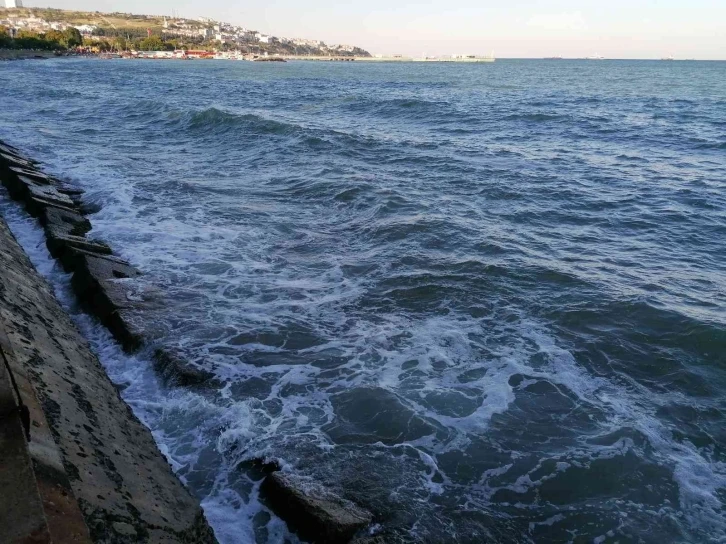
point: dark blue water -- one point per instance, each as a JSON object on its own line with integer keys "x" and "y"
{"x": 487, "y": 302}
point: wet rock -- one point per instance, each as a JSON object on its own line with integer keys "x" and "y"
{"x": 9, "y": 149}
{"x": 256, "y": 469}
{"x": 175, "y": 368}
{"x": 16, "y": 160}
{"x": 125, "y": 529}
{"x": 89, "y": 208}
{"x": 101, "y": 283}
{"x": 314, "y": 512}
{"x": 259, "y": 468}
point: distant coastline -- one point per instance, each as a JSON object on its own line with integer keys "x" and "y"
{"x": 115, "y": 32}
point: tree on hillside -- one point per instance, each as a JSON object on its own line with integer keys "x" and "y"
{"x": 73, "y": 37}
{"x": 152, "y": 43}
{"x": 56, "y": 37}
{"x": 26, "y": 39}
{"x": 5, "y": 39}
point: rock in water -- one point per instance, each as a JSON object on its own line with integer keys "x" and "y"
{"x": 176, "y": 369}
{"x": 314, "y": 512}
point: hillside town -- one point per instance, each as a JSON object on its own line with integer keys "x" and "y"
{"x": 120, "y": 32}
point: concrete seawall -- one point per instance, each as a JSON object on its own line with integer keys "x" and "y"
{"x": 78, "y": 466}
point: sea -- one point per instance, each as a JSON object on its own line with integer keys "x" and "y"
{"x": 486, "y": 302}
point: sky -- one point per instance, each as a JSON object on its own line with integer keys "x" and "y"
{"x": 508, "y": 28}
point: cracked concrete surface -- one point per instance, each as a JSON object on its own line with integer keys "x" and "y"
{"x": 124, "y": 487}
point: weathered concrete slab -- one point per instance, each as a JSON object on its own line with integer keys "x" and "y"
{"x": 34, "y": 175}
{"x": 16, "y": 160}
{"x": 60, "y": 243}
{"x": 312, "y": 510}
{"x": 74, "y": 192}
{"x": 36, "y": 201}
{"x": 60, "y": 221}
{"x": 7, "y": 148}
{"x": 22, "y": 518}
{"x": 47, "y": 192}
{"x": 64, "y": 519}
{"x": 129, "y": 329}
{"x": 105, "y": 285}
{"x": 378, "y": 539}
{"x": 35, "y": 206}
{"x": 12, "y": 183}
{"x": 12, "y": 155}
{"x": 123, "y": 485}
{"x": 97, "y": 281}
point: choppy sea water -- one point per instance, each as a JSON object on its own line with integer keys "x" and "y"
{"x": 487, "y": 302}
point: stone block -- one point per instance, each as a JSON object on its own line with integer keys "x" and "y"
{"x": 317, "y": 514}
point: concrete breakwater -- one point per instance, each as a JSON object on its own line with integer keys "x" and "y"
{"x": 101, "y": 445}
{"x": 89, "y": 461}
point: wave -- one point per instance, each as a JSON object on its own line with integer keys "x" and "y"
{"x": 219, "y": 121}
{"x": 534, "y": 117}
{"x": 711, "y": 145}
{"x": 437, "y": 114}
{"x": 393, "y": 106}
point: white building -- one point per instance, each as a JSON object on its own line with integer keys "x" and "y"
{"x": 86, "y": 30}
{"x": 13, "y": 4}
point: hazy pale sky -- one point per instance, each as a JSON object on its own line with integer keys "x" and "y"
{"x": 510, "y": 28}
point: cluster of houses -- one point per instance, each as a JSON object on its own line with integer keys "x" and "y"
{"x": 195, "y": 30}
{"x": 227, "y": 33}
{"x": 36, "y": 24}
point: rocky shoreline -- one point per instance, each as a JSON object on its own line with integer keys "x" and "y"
{"x": 96, "y": 468}
{"x": 105, "y": 286}
{"x": 23, "y": 54}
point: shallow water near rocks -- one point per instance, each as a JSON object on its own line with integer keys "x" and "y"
{"x": 487, "y": 302}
